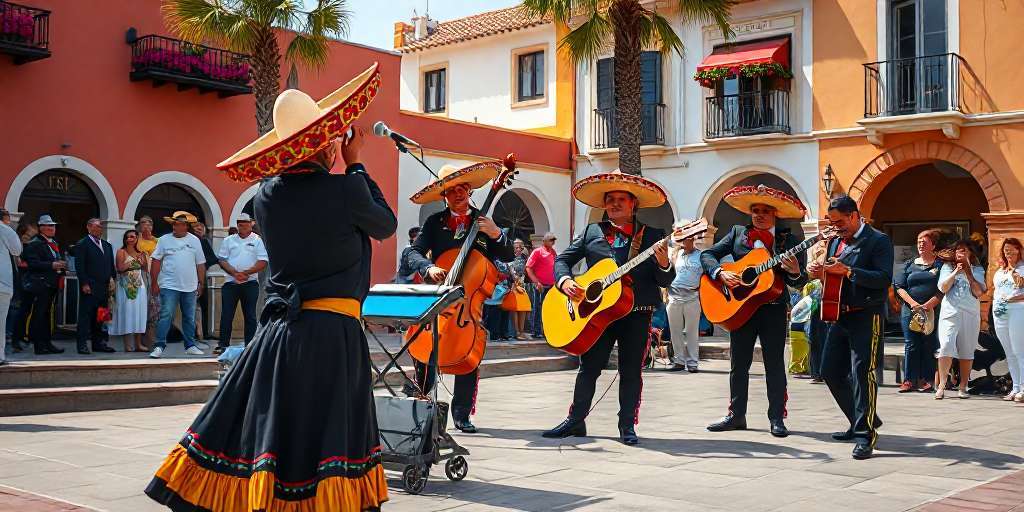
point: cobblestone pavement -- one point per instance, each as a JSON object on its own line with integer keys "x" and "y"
{"x": 928, "y": 450}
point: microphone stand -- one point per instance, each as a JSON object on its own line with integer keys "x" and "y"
{"x": 402, "y": 148}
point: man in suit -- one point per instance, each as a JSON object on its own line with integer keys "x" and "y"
{"x": 769, "y": 323}
{"x": 45, "y": 268}
{"x": 446, "y": 230}
{"x": 862, "y": 257}
{"x": 94, "y": 266}
{"x": 621, "y": 238}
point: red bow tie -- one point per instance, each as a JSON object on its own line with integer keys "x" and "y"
{"x": 765, "y": 236}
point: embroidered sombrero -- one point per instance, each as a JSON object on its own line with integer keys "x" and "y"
{"x": 591, "y": 190}
{"x": 476, "y": 175}
{"x": 787, "y": 206}
{"x": 302, "y": 127}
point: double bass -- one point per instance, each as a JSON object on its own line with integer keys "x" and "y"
{"x": 462, "y": 337}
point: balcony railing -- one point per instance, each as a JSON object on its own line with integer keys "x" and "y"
{"x": 24, "y": 32}
{"x": 749, "y": 113}
{"x": 913, "y": 86}
{"x": 652, "y": 126}
{"x": 163, "y": 59}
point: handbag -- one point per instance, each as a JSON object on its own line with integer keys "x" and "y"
{"x": 517, "y": 300}
{"x": 103, "y": 314}
{"x": 922, "y": 322}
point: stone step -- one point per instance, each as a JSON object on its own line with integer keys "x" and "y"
{"x": 25, "y": 401}
{"x": 50, "y": 374}
{"x": 56, "y": 399}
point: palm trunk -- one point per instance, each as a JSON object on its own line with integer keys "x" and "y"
{"x": 266, "y": 79}
{"x": 625, "y": 16}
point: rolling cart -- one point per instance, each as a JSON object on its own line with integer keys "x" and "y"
{"x": 413, "y": 432}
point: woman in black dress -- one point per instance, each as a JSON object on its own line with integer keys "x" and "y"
{"x": 293, "y": 426}
{"x": 917, "y": 286}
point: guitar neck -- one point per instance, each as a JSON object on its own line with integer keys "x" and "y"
{"x": 631, "y": 264}
{"x": 775, "y": 260}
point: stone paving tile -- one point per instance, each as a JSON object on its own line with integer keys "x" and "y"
{"x": 104, "y": 459}
{"x": 12, "y": 500}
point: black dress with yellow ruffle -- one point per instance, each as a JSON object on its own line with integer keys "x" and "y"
{"x": 293, "y": 426}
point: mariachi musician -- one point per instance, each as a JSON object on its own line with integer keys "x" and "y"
{"x": 862, "y": 257}
{"x": 769, "y": 322}
{"x": 620, "y": 237}
{"x": 446, "y": 230}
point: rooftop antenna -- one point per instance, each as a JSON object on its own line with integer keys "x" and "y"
{"x": 427, "y": 13}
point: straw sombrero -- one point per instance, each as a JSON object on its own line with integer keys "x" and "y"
{"x": 476, "y": 175}
{"x": 591, "y": 190}
{"x": 303, "y": 127}
{"x": 181, "y": 216}
{"x": 787, "y": 206}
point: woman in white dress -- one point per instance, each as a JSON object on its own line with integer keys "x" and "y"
{"x": 962, "y": 282}
{"x": 1008, "y": 311}
{"x": 130, "y": 314}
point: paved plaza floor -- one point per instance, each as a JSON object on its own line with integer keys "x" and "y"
{"x": 928, "y": 450}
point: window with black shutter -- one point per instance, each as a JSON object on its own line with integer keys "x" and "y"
{"x": 530, "y": 76}
{"x": 650, "y": 99}
{"x": 433, "y": 91}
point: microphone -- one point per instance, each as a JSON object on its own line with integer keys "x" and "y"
{"x": 381, "y": 130}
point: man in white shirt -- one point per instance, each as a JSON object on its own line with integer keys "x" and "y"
{"x": 10, "y": 245}
{"x": 176, "y": 271}
{"x": 242, "y": 256}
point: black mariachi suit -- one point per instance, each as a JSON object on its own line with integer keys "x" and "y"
{"x": 631, "y": 331}
{"x": 768, "y": 324}
{"x": 434, "y": 239}
{"x": 40, "y": 282}
{"x": 96, "y": 269}
{"x": 851, "y": 348}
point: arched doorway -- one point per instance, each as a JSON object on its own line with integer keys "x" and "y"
{"x": 511, "y": 213}
{"x": 63, "y": 195}
{"x": 162, "y": 200}
{"x": 725, "y": 216}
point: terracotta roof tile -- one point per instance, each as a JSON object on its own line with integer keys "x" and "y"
{"x": 475, "y": 26}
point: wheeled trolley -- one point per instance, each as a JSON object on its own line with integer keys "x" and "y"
{"x": 413, "y": 433}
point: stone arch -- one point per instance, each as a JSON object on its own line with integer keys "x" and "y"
{"x": 206, "y": 199}
{"x": 243, "y": 198}
{"x": 872, "y": 179}
{"x": 535, "y": 202}
{"x": 90, "y": 174}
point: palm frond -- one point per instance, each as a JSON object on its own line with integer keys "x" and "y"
{"x": 197, "y": 20}
{"x": 656, "y": 29}
{"x": 330, "y": 18}
{"x": 586, "y": 41}
{"x": 308, "y": 49}
{"x": 704, "y": 12}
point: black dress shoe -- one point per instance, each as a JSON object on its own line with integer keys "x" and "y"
{"x": 779, "y": 428}
{"x": 103, "y": 348}
{"x": 628, "y": 436}
{"x": 55, "y": 350}
{"x": 863, "y": 450}
{"x": 568, "y": 428}
{"x": 465, "y": 426}
{"x": 843, "y": 436}
{"x": 84, "y": 351}
{"x": 728, "y": 423}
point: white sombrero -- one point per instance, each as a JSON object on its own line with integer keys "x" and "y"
{"x": 591, "y": 191}
{"x": 476, "y": 176}
{"x": 787, "y": 206}
{"x": 303, "y": 127}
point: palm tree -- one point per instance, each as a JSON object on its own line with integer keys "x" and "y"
{"x": 632, "y": 27}
{"x": 250, "y": 26}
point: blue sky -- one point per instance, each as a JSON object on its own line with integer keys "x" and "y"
{"x": 373, "y": 21}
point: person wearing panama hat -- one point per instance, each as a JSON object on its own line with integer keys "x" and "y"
{"x": 292, "y": 425}
{"x": 43, "y": 277}
{"x": 769, "y": 322}
{"x": 446, "y": 230}
{"x": 619, "y": 237}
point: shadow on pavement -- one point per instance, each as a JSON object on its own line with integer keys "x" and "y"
{"x": 895, "y": 446}
{"x": 34, "y": 427}
{"x": 501, "y": 495}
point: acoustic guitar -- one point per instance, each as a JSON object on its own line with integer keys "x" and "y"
{"x": 831, "y": 290}
{"x": 732, "y": 307}
{"x": 574, "y": 326}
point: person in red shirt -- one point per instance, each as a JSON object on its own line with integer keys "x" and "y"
{"x": 540, "y": 268}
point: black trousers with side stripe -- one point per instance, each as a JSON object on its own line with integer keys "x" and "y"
{"x": 849, "y": 366}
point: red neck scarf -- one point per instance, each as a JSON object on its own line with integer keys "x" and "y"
{"x": 764, "y": 235}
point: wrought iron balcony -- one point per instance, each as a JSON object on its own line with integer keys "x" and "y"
{"x": 913, "y": 86}
{"x": 652, "y": 126}
{"x": 166, "y": 60}
{"x": 749, "y": 113}
{"x": 24, "y": 32}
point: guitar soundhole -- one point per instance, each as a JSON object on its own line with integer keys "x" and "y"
{"x": 749, "y": 279}
{"x": 594, "y": 291}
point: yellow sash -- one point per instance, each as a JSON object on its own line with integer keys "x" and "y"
{"x": 342, "y": 306}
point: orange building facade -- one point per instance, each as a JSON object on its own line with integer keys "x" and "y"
{"x": 937, "y": 138}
